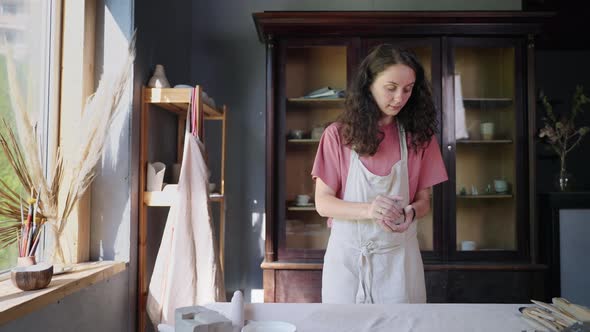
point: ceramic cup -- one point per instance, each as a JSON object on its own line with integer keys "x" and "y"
{"x": 487, "y": 130}
{"x": 155, "y": 176}
{"x": 302, "y": 199}
{"x": 500, "y": 186}
{"x": 297, "y": 134}
{"x": 468, "y": 245}
{"x": 316, "y": 133}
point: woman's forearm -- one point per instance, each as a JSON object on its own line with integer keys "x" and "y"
{"x": 334, "y": 207}
{"x": 421, "y": 203}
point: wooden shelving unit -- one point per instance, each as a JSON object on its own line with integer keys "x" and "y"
{"x": 177, "y": 101}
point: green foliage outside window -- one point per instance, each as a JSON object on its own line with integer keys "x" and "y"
{"x": 7, "y": 255}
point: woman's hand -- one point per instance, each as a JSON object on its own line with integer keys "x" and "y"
{"x": 409, "y": 218}
{"x": 385, "y": 211}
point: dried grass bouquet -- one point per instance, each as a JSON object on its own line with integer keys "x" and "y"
{"x": 561, "y": 133}
{"x": 57, "y": 194}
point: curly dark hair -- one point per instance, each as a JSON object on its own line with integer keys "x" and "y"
{"x": 360, "y": 128}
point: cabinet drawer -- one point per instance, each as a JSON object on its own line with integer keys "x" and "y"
{"x": 491, "y": 286}
{"x": 298, "y": 286}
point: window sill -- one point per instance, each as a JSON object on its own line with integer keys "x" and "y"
{"x": 15, "y": 303}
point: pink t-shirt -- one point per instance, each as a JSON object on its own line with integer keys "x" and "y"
{"x": 332, "y": 161}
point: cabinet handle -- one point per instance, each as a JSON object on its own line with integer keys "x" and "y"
{"x": 449, "y": 147}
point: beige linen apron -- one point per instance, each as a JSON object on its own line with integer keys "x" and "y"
{"x": 364, "y": 263}
{"x": 187, "y": 271}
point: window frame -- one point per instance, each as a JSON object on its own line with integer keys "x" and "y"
{"x": 49, "y": 116}
{"x": 72, "y": 25}
{"x": 77, "y": 82}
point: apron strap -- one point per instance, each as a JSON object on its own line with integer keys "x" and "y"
{"x": 402, "y": 140}
{"x": 364, "y": 294}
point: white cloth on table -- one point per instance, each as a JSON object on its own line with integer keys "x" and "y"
{"x": 187, "y": 269}
{"x": 312, "y": 317}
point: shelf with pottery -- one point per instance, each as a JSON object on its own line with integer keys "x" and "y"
{"x": 165, "y": 198}
{"x": 177, "y": 101}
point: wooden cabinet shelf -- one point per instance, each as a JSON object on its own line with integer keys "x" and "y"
{"x": 177, "y": 100}
{"x": 301, "y": 208}
{"x": 303, "y": 141}
{"x": 482, "y": 141}
{"x": 163, "y": 198}
{"x": 486, "y": 103}
{"x": 484, "y": 196}
{"x": 319, "y": 102}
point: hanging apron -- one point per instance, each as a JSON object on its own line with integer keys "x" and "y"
{"x": 187, "y": 271}
{"x": 364, "y": 263}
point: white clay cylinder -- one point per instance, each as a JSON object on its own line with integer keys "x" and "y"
{"x": 237, "y": 311}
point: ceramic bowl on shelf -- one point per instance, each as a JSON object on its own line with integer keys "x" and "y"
{"x": 500, "y": 186}
{"x": 468, "y": 245}
{"x": 32, "y": 277}
{"x": 297, "y": 134}
{"x": 316, "y": 132}
{"x": 302, "y": 200}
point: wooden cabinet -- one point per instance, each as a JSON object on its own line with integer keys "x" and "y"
{"x": 481, "y": 228}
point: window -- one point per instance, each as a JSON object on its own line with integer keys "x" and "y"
{"x": 27, "y": 34}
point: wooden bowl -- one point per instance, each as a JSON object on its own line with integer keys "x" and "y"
{"x": 32, "y": 277}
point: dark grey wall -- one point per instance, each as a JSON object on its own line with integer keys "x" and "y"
{"x": 163, "y": 37}
{"x": 229, "y": 60}
{"x": 557, "y": 74}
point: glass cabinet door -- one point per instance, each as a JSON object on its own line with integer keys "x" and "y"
{"x": 424, "y": 53}
{"x": 427, "y": 50}
{"x": 486, "y": 118}
{"x": 315, "y": 79}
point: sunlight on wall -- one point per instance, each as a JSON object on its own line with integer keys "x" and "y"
{"x": 257, "y": 296}
{"x": 111, "y": 191}
{"x": 258, "y": 227}
{"x": 112, "y": 58}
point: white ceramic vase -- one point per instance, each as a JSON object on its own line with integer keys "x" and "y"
{"x": 159, "y": 80}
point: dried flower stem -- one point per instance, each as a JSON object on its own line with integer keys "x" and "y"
{"x": 60, "y": 192}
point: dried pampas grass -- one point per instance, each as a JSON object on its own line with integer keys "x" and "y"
{"x": 69, "y": 178}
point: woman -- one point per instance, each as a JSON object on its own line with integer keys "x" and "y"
{"x": 373, "y": 172}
